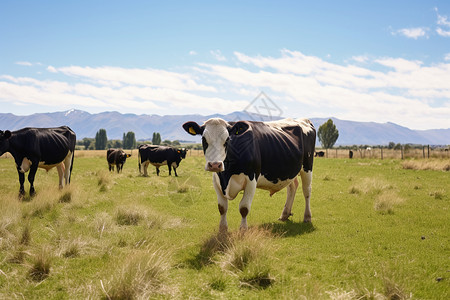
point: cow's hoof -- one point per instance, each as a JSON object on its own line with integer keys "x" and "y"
{"x": 307, "y": 220}
{"x": 285, "y": 217}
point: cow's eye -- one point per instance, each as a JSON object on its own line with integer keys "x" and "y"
{"x": 226, "y": 143}
{"x": 205, "y": 144}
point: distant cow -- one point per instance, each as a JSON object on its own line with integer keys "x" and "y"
{"x": 159, "y": 156}
{"x": 350, "y": 154}
{"x": 116, "y": 157}
{"x": 247, "y": 155}
{"x": 40, "y": 147}
{"x": 319, "y": 154}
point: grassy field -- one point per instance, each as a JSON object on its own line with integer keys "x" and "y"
{"x": 380, "y": 230}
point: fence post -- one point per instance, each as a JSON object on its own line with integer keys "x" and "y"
{"x": 381, "y": 153}
{"x": 428, "y": 151}
{"x": 401, "y": 149}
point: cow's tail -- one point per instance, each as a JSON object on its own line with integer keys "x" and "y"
{"x": 139, "y": 162}
{"x": 71, "y": 164}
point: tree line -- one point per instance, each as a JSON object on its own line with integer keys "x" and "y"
{"x": 128, "y": 141}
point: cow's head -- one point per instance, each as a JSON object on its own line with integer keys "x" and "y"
{"x": 124, "y": 156}
{"x": 4, "y": 141}
{"x": 182, "y": 152}
{"x": 215, "y": 138}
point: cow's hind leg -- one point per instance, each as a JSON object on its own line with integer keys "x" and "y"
{"x": 306, "y": 186}
{"x": 31, "y": 176}
{"x": 157, "y": 171}
{"x": 246, "y": 202}
{"x": 68, "y": 167}
{"x": 60, "y": 168}
{"x": 291, "y": 190}
{"x": 21, "y": 182}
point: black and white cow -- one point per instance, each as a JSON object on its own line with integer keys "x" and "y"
{"x": 116, "y": 157}
{"x": 247, "y": 155}
{"x": 40, "y": 147}
{"x": 159, "y": 156}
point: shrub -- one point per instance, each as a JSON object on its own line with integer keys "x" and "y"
{"x": 40, "y": 268}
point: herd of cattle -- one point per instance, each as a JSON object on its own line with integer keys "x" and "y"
{"x": 242, "y": 156}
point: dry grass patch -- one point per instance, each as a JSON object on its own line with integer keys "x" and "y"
{"x": 142, "y": 276}
{"x": 248, "y": 255}
{"x": 129, "y": 216}
{"x": 41, "y": 264}
{"x": 386, "y": 201}
{"x": 427, "y": 164}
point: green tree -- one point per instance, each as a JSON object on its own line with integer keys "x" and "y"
{"x": 129, "y": 140}
{"x": 101, "y": 139}
{"x": 328, "y": 134}
{"x": 156, "y": 140}
{"x": 87, "y": 142}
{"x": 391, "y": 145}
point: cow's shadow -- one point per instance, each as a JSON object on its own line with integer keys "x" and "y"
{"x": 289, "y": 228}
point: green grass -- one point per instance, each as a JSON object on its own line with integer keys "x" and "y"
{"x": 379, "y": 231}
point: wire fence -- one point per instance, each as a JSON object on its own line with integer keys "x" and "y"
{"x": 360, "y": 153}
{"x": 384, "y": 153}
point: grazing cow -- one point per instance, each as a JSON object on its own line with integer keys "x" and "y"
{"x": 159, "y": 156}
{"x": 247, "y": 155}
{"x": 319, "y": 154}
{"x": 116, "y": 157}
{"x": 350, "y": 154}
{"x": 40, "y": 147}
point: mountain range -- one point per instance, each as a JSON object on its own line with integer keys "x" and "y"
{"x": 116, "y": 124}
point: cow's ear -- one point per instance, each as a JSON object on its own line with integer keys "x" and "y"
{"x": 239, "y": 128}
{"x": 7, "y": 134}
{"x": 193, "y": 128}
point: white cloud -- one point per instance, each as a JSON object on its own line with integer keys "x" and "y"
{"x": 442, "y": 20}
{"x": 218, "y": 55}
{"x": 413, "y": 33}
{"x": 407, "y": 92}
{"x": 24, "y": 63}
{"x": 400, "y": 64}
{"x": 361, "y": 58}
{"x": 447, "y": 57}
{"x": 192, "y": 52}
{"x": 444, "y": 33}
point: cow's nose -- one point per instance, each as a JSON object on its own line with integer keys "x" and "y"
{"x": 216, "y": 166}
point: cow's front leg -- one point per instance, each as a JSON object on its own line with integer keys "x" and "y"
{"x": 157, "y": 171}
{"x": 246, "y": 202}
{"x": 31, "y": 176}
{"x": 111, "y": 168}
{"x": 306, "y": 186}
{"x": 291, "y": 189}
{"x": 21, "y": 182}
{"x": 175, "y": 171}
{"x": 169, "y": 165}
{"x": 223, "y": 208}
{"x": 222, "y": 205}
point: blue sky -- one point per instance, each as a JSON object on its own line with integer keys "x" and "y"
{"x": 380, "y": 61}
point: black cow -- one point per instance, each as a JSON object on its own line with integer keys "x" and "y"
{"x": 319, "y": 154}
{"x": 350, "y": 154}
{"x": 116, "y": 157}
{"x": 40, "y": 147}
{"x": 248, "y": 155}
{"x": 159, "y": 156}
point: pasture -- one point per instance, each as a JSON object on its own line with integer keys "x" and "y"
{"x": 379, "y": 231}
